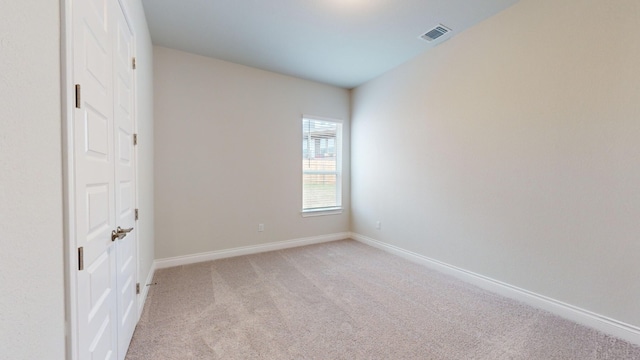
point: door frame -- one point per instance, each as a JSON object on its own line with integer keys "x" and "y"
{"x": 67, "y": 95}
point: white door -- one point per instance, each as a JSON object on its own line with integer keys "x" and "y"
{"x": 104, "y": 179}
{"x": 125, "y": 188}
{"x": 94, "y": 180}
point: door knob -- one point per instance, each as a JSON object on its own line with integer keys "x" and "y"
{"x": 120, "y": 233}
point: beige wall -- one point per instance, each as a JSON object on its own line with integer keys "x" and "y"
{"x": 228, "y": 154}
{"x": 31, "y": 235}
{"x": 513, "y": 151}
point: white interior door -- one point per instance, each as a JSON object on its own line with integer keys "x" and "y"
{"x": 104, "y": 179}
{"x": 94, "y": 180}
{"x": 125, "y": 185}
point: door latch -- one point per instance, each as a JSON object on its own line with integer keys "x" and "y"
{"x": 120, "y": 233}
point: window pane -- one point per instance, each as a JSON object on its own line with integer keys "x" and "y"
{"x": 319, "y": 191}
{"x": 320, "y": 164}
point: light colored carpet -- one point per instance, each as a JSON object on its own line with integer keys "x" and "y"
{"x": 346, "y": 300}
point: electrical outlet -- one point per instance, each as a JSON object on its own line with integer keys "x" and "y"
{"x": 260, "y": 227}
{"x": 378, "y": 225}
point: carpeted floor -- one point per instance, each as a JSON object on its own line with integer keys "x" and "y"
{"x": 346, "y": 300}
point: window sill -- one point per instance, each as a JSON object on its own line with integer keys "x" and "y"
{"x": 322, "y": 212}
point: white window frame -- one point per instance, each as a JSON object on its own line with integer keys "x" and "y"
{"x": 333, "y": 210}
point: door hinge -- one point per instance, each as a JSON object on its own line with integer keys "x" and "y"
{"x": 137, "y": 288}
{"x": 133, "y": 63}
{"x": 78, "y": 96}
{"x": 135, "y": 139}
{"x": 80, "y": 258}
{"x": 137, "y": 214}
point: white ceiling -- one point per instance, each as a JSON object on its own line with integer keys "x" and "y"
{"x": 339, "y": 42}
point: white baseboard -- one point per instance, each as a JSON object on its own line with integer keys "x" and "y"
{"x": 581, "y": 316}
{"x": 246, "y": 250}
{"x": 144, "y": 289}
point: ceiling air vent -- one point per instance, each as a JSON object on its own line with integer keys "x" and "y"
{"x": 435, "y": 33}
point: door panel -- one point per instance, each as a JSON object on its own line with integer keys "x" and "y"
{"x": 98, "y": 218}
{"x": 104, "y": 179}
{"x": 97, "y": 133}
{"x": 125, "y": 180}
{"x": 101, "y": 317}
{"x": 94, "y": 181}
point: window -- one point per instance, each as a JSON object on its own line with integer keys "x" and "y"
{"x": 321, "y": 165}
